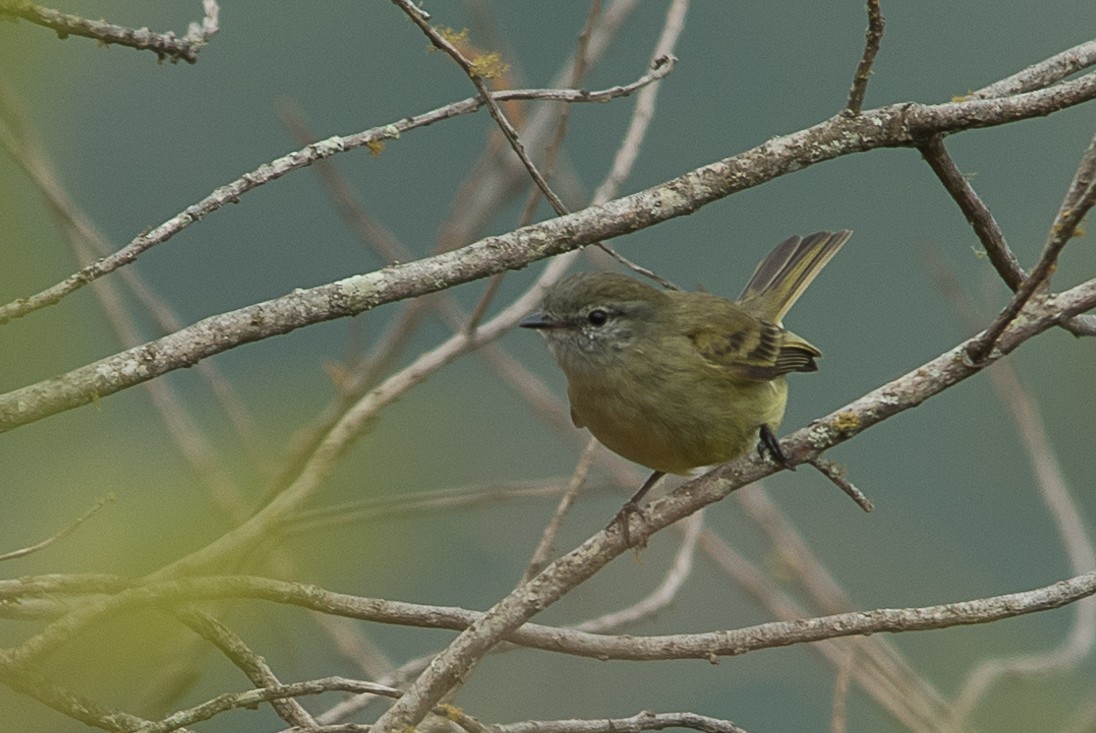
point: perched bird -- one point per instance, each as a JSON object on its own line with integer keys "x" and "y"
{"x": 677, "y": 380}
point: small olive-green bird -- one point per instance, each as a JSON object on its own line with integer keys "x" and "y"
{"x": 677, "y": 380}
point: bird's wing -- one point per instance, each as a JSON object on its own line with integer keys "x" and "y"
{"x": 750, "y": 347}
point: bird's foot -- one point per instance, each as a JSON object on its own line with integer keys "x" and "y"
{"x": 623, "y": 519}
{"x": 768, "y": 444}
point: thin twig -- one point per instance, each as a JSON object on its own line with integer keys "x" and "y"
{"x": 253, "y": 698}
{"x": 977, "y": 213}
{"x": 642, "y": 722}
{"x": 421, "y": 19}
{"x": 398, "y": 504}
{"x": 872, "y": 38}
{"x": 23, "y": 552}
{"x": 551, "y": 152}
{"x": 546, "y": 546}
{"x": 512, "y": 136}
{"x": 662, "y": 596}
{"x": 635, "y": 267}
{"x": 836, "y": 473}
{"x": 494, "y": 177}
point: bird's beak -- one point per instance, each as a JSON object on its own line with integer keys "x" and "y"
{"x": 541, "y": 321}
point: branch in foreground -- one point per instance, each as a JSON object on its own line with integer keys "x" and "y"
{"x": 903, "y": 125}
{"x": 164, "y": 45}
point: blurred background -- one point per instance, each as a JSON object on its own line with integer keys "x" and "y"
{"x": 958, "y": 513}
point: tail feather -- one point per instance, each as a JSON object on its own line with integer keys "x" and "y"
{"x": 783, "y": 276}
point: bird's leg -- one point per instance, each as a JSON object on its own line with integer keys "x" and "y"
{"x": 624, "y": 516}
{"x": 769, "y": 444}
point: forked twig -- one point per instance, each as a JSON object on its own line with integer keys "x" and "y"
{"x": 1079, "y": 199}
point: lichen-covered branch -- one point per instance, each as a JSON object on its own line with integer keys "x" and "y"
{"x": 902, "y": 125}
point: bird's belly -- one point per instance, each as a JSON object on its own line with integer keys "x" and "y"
{"x": 676, "y": 433}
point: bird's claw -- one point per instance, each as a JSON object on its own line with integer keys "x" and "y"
{"x": 768, "y": 444}
{"x": 623, "y": 519}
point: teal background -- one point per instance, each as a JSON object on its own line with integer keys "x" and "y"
{"x": 957, "y": 513}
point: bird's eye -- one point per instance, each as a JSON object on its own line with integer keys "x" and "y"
{"x": 597, "y": 317}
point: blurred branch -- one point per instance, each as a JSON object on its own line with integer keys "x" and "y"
{"x": 839, "y": 713}
{"x": 87, "y": 241}
{"x": 164, "y": 45}
{"x": 1067, "y": 516}
{"x": 35, "y": 685}
{"x": 253, "y": 698}
{"x": 662, "y": 596}
{"x": 546, "y": 546}
{"x": 409, "y": 503}
{"x": 250, "y": 663}
{"x": 23, "y": 552}
{"x": 1056, "y": 495}
{"x": 880, "y": 669}
{"x": 320, "y": 463}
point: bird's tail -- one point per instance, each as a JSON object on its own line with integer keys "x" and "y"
{"x": 783, "y": 276}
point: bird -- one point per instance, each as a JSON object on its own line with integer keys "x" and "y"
{"x": 677, "y": 380}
